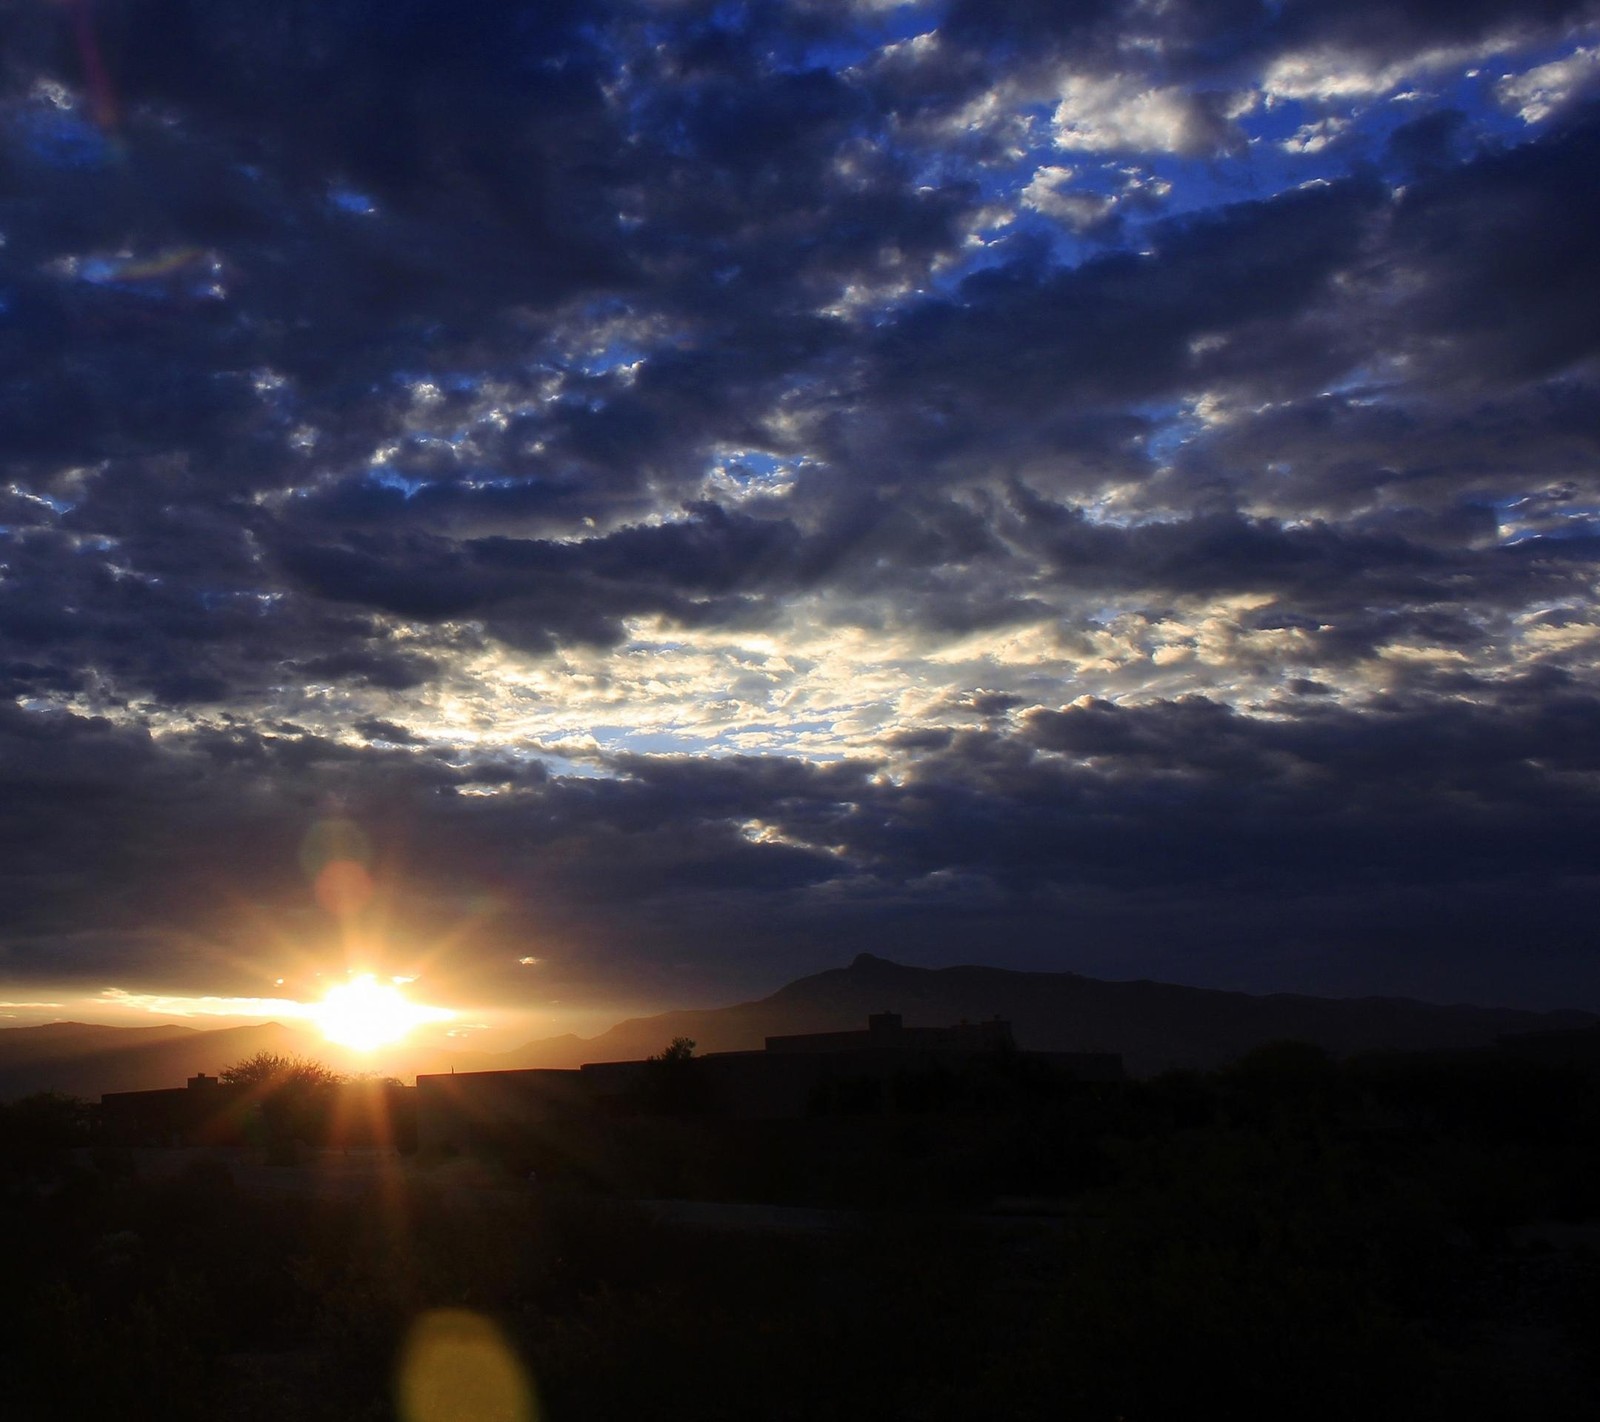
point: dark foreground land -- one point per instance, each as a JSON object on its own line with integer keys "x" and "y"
{"x": 1388, "y": 1238}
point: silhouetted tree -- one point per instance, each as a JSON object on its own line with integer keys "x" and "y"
{"x": 292, "y": 1096}
{"x": 679, "y": 1049}
{"x": 675, "y": 1085}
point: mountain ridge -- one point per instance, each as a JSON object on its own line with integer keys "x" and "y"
{"x": 1153, "y": 1025}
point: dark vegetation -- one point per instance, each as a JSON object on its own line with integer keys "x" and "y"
{"x": 1391, "y": 1237}
{"x": 285, "y": 1100}
{"x": 279, "y": 1105}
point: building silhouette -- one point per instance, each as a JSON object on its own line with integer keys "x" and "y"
{"x": 885, "y": 1068}
{"x": 209, "y": 1112}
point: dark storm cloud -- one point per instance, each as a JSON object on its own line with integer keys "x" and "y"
{"x": 443, "y": 200}
{"x": 414, "y": 105}
{"x": 1364, "y": 462}
{"x": 1208, "y": 35}
{"x": 187, "y": 836}
{"x": 1492, "y": 263}
{"x": 1022, "y": 340}
{"x": 1377, "y": 28}
{"x": 537, "y": 592}
{"x": 1250, "y": 818}
{"x": 1318, "y": 566}
{"x": 1509, "y": 248}
{"x": 172, "y": 613}
{"x": 343, "y": 343}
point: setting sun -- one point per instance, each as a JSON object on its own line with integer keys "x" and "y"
{"x": 365, "y": 1013}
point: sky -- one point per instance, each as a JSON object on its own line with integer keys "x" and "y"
{"x": 663, "y": 497}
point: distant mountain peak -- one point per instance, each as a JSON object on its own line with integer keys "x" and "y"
{"x": 867, "y": 962}
{"x": 1153, "y": 1025}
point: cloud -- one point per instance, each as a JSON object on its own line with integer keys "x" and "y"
{"x": 702, "y": 483}
{"x": 1537, "y": 93}
{"x": 1121, "y": 113}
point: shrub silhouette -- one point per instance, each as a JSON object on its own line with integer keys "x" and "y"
{"x": 292, "y": 1098}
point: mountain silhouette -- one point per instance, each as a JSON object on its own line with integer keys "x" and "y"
{"x": 82, "y": 1059}
{"x": 1153, "y": 1025}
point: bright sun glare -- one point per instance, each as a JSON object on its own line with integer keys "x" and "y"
{"x": 365, "y": 1013}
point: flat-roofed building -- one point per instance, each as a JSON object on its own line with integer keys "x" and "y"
{"x": 203, "y": 1112}
{"x": 472, "y": 1110}
{"x": 887, "y": 1067}
{"x": 886, "y": 1031}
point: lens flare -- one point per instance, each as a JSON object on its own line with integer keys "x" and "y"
{"x": 102, "y": 96}
{"x": 343, "y": 887}
{"x": 365, "y": 1013}
{"x": 458, "y": 1367}
{"x": 337, "y": 857}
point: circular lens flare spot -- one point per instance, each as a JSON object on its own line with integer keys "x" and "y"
{"x": 332, "y": 839}
{"x": 365, "y": 1013}
{"x": 343, "y": 887}
{"x": 458, "y": 1367}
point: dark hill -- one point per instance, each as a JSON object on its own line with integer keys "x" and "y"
{"x": 54, "y": 1040}
{"x": 1154, "y": 1025}
{"x": 88, "y": 1060}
